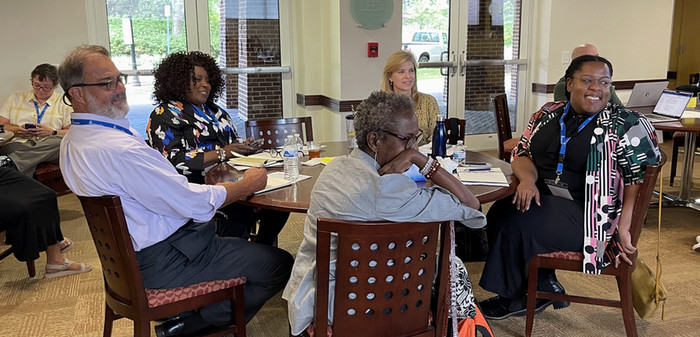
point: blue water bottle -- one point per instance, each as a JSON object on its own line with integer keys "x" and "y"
{"x": 439, "y": 139}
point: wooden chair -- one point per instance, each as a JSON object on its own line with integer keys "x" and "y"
{"x": 274, "y": 131}
{"x": 678, "y": 141}
{"x": 50, "y": 175}
{"x": 384, "y": 277}
{"x": 694, "y": 78}
{"x": 506, "y": 142}
{"x": 455, "y": 129}
{"x": 125, "y": 295}
{"x": 30, "y": 264}
{"x": 573, "y": 261}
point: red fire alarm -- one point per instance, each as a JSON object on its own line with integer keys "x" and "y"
{"x": 372, "y": 49}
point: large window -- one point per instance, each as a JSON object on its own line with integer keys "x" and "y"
{"x": 480, "y": 59}
{"x": 242, "y": 35}
{"x": 141, "y": 34}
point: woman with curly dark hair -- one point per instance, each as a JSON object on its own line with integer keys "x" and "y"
{"x": 194, "y": 133}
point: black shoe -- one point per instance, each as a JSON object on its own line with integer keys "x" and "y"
{"x": 169, "y": 328}
{"x": 553, "y": 286}
{"x": 497, "y": 308}
{"x": 177, "y": 327}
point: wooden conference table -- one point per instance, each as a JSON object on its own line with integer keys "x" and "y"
{"x": 296, "y": 198}
{"x": 691, "y": 126}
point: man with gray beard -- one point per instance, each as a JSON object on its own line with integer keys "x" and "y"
{"x": 169, "y": 219}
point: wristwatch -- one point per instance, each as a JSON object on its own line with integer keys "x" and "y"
{"x": 54, "y": 132}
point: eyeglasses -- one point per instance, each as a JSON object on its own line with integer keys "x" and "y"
{"x": 110, "y": 84}
{"x": 277, "y": 152}
{"x": 602, "y": 82}
{"x": 45, "y": 87}
{"x": 409, "y": 141}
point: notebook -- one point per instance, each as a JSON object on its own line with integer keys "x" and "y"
{"x": 646, "y": 94}
{"x": 670, "y": 106}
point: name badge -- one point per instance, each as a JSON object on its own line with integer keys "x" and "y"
{"x": 559, "y": 189}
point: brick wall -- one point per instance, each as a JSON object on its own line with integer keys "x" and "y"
{"x": 484, "y": 41}
{"x": 251, "y": 43}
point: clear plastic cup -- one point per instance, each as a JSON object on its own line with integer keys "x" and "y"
{"x": 314, "y": 149}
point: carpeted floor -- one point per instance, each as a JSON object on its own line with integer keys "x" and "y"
{"x": 74, "y": 305}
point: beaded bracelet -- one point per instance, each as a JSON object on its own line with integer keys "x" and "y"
{"x": 429, "y": 168}
{"x": 222, "y": 155}
{"x": 426, "y": 167}
{"x": 434, "y": 170}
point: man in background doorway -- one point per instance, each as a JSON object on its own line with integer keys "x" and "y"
{"x": 560, "y": 87}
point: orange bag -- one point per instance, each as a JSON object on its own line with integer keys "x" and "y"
{"x": 469, "y": 326}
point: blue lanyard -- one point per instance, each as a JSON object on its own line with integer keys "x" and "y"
{"x": 40, "y": 115}
{"x": 109, "y": 125}
{"x": 563, "y": 139}
{"x": 209, "y": 116}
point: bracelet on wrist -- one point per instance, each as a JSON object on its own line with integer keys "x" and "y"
{"x": 433, "y": 170}
{"x": 426, "y": 167}
{"x": 222, "y": 155}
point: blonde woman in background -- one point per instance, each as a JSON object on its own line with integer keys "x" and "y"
{"x": 399, "y": 76}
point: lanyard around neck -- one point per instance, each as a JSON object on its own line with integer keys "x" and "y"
{"x": 95, "y": 122}
{"x": 563, "y": 139}
{"x": 40, "y": 115}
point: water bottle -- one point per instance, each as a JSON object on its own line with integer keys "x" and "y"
{"x": 300, "y": 149}
{"x": 299, "y": 142}
{"x": 460, "y": 153}
{"x": 439, "y": 139}
{"x": 291, "y": 159}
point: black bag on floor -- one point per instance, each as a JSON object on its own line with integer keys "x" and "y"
{"x": 471, "y": 244}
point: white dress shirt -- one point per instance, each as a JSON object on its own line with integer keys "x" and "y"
{"x": 98, "y": 160}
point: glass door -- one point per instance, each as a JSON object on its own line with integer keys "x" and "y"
{"x": 242, "y": 35}
{"x": 481, "y": 59}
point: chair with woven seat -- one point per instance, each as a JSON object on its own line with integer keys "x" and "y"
{"x": 30, "y": 264}
{"x": 125, "y": 294}
{"x": 384, "y": 276}
{"x": 455, "y": 128}
{"x": 573, "y": 261}
{"x": 50, "y": 175}
{"x": 274, "y": 131}
{"x": 506, "y": 142}
{"x": 678, "y": 141}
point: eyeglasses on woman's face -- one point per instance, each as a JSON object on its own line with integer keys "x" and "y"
{"x": 39, "y": 86}
{"x": 408, "y": 141}
{"x": 603, "y": 83}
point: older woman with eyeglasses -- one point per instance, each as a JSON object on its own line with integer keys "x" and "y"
{"x": 194, "y": 133}
{"x": 36, "y": 117}
{"x": 369, "y": 185}
{"x": 580, "y": 165}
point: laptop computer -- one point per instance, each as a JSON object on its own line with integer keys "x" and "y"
{"x": 646, "y": 94}
{"x": 670, "y": 106}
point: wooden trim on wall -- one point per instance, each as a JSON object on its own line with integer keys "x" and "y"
{"x": 541, "y": 88}
{"x": 325, "y": 101}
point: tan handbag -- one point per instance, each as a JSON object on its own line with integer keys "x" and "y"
{"x": 647, "y": 290}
